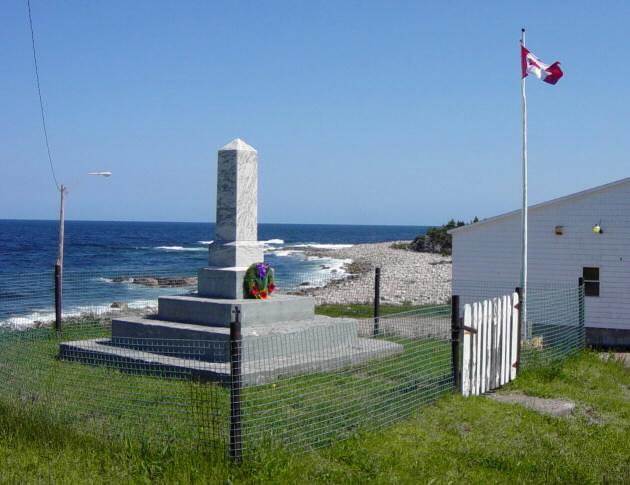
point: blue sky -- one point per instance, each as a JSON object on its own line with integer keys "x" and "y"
{"x": 384, "y": 112}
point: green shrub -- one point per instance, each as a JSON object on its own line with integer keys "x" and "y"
{"x": 437, "y": 239}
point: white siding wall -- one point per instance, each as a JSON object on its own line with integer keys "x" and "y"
{"x": 490, "y": 252}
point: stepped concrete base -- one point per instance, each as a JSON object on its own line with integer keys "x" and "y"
{"x": 213, "y": 343}
{"x": 281, "y": 336}
{"x": 174, "y": 339}
{"x": 218, "y": 311}
{"x": 100, "y": 352}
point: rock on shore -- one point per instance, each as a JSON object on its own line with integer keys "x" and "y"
{"x": 158, "y": 281}
{"x": 407, "y": 277}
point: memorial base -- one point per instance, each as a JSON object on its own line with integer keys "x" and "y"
{"x": 190, "y": 337}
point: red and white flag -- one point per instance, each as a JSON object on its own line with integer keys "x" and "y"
{"x": 530, "y": 64}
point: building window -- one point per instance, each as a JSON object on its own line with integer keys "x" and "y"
{"x": 591, "y": 281}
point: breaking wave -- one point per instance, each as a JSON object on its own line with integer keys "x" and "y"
{"x": 178, "y": 248}
{"x": 323, "y": 246}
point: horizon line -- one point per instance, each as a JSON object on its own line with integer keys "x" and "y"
{"x": 212, "y": 222}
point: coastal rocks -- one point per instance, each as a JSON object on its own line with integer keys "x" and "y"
{"x": 177, "y": 282}
{"x": 407, "y": 277}
{"x": 151, "y": 282}
{"x": 158, "y": 281}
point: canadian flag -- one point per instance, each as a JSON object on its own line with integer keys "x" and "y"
{"x": 531, "y": 64}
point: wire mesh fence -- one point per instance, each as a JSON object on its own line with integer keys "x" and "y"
{"x": 377, "y": 349}
{"x": 326, "y": 392}
{"x": 28, "y": 299}
{"x": 554, "y": 326}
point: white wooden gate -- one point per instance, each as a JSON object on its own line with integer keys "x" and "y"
{"x": 490, "y": 344}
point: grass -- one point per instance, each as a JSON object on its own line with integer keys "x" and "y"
{"x": 298, "y": 411}
{"x": 455, "y": 440}
{"x": 367, "y": 310}
{"x": 72, "y": 423}
{"x": 94, "y": 399}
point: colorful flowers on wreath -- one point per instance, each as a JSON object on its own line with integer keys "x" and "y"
{"x": 259, "y": 281}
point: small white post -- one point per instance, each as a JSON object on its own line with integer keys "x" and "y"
{"x": 515, "y": 340}
{"x": 467, "y": 360}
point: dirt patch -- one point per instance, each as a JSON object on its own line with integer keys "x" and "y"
{"x": 552, "y": 407}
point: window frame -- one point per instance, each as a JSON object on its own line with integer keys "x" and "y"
{"x": 592, "y": 283}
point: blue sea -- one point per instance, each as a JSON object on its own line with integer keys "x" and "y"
{"x": 98, "y": 250}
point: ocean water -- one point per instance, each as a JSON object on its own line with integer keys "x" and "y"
{"x": 97, "y": 251}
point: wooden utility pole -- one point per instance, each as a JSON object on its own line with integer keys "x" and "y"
{"x": 59, "y": 264}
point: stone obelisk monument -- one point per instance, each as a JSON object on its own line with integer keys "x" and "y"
{"x": 235, "y": 245}
{"x": 281, "y": 335}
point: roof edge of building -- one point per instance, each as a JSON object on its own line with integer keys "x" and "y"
{"x": 541, "y": 205}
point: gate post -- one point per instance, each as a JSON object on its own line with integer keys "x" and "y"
{"x": 377, "y": 299}
{"x": 455, "y": 341}
{"x": 581, "y": 311}
{"x": 519, "y": 335}
{"x": 236, "y": 439}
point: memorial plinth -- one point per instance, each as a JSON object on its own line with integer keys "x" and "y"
{"x": 280, "y": 335}
{"x": 236, "y": 244}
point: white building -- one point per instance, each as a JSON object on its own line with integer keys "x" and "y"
{"x": 563, "y": 246}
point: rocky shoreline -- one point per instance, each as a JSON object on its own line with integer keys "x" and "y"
{"x": 407, "y": 277}
{"x": 158, "y": 281}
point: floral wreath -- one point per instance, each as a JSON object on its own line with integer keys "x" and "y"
{"x": 259, "y": 281}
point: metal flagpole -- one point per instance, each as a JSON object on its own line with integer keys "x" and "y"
{"x": 524, "y": 209}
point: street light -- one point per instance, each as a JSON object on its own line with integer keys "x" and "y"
{"x": 63, "y": 190}
{"x": 101, "y": 174}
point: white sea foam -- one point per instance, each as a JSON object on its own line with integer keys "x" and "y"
{"x": 287, "y": 252}
{"x": 207, "y": 243}
{"x": 47, "y": 315}
{"x": 330, "y": 265}
{"x": 143, "y": 305}
{"x": 178, "y": 248}
{"x": 330, "y": 270}
{"x": 323, "y": 246}
{"x": 273, "y": 241}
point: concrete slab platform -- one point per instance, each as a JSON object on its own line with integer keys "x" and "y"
{"x": 184, "y": 340}
{"x": 218, "y": 311}
{"x": 100, "y": 352}
{"x": 187, "y": 340}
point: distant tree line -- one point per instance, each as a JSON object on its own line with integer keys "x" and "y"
{"x": 437, "y": 239}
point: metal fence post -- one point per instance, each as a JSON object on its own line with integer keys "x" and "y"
{"x": 455, "y": 338}
{"x": 519, "y": 334}
{"x": 236, "y": 441}
{"x": 581, "y": 311}
{"x": 377, "y": 300}
{"x": 58, "y": 297}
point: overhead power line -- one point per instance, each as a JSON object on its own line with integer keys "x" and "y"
{"x": 39, "y": 93}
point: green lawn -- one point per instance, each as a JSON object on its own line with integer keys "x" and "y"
{"x": 367, "y": 310}
{"x": 453, "y": 440}
{"x": 300, "y": 412}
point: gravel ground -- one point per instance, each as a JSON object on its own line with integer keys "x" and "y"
{"x": 406, "y": 276}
